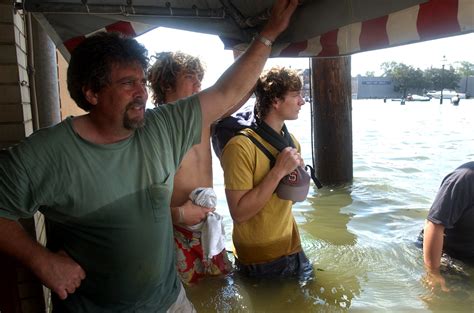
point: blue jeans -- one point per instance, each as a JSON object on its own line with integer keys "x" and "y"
{"x": 294, "y": 265}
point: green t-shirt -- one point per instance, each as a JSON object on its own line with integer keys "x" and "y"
{"x": 107, "y": 206}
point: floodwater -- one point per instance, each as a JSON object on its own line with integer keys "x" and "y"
{"x": 361, "y": 237}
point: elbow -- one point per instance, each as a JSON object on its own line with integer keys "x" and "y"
{"x": 240, "y": 215}
{"x": 237, "y": 219}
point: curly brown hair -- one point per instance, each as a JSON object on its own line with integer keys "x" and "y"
{"x": 163, "y": 73}
{"x": 272, "y": 85}
{"x": 92, "y": 61}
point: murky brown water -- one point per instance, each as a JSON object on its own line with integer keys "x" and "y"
{"x": 360, "y": 238}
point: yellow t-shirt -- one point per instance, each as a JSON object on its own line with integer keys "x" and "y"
{"x": 272, "y": 233}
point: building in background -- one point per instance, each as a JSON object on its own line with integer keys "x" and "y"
{"x": 466, "y": 85}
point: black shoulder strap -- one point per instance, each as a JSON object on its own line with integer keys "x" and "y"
{"x": 260, "y": 146}
{"x": 278, "y": 141}
{"x": 273, "y": 160}
{"x": 313, "y": 176}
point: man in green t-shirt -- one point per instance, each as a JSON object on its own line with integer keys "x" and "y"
{"x": 265, "y": 235}
{"x": 103, "y": 180}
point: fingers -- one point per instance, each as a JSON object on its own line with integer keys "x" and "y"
{"x": 281, "y": 14}
{"x": 202, "y": 209}
{"x": 69, "y": 288}
{"x": 435, "y": 281}
{"x": 194, "y": 213}
{"x": 285, "y": 7}
{"x": 290, "y": 158}
{"x": 82, "y": 274}
{"x": 291, "y": 7}
{"x": 443, "y": 286}
{"x": 208, "y": 210}
{"x": 62, "y": 294}
{"x": 68, "y": 275}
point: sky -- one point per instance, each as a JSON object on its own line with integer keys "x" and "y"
{"x": 211, "y": 50}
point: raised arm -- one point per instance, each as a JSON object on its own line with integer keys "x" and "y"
{"x": 240, "y": 77}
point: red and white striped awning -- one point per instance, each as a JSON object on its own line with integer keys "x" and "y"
{"x": 431, "y": 20}
{"x": 424, "y": 21}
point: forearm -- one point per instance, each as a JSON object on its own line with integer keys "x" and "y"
{"x": 433, "y": 245}
{"x": 236, "y": 82}
{"x": 236, "y": 107}
{"x": 255, "y": 199}
{"x": 240, "y": 77}
{"x": 16, "y": 242}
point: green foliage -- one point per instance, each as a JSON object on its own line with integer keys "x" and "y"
{"x": 441, "y": 78}
{"x": 465, "y": 68}
{"x": 370, "y": 74}
{"x": 406, "y": 78}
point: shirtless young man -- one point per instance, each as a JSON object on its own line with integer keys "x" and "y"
{"x": 173, "y": 76}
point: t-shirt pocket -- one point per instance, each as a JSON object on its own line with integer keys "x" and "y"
{"x": 160, "y": 198}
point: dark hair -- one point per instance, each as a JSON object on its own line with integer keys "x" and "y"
{"x": 272, "y": 85}
{"x": 92, "y": 60}
{"x": 162, "y": 74}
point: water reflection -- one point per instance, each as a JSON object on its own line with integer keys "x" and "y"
{"x": 241, "y": 294}
{"x": 331, "y": 246}
{"x": 325, "y": 220}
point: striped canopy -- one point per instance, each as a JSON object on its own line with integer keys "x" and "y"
{"x": 319, "y": 28}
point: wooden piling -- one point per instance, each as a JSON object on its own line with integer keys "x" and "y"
{"x": 332, "y": 119}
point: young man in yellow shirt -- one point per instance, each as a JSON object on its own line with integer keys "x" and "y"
{"x": 265, "y": 235}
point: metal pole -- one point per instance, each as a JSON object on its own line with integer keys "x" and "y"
{"x": 443, "y": 62}
{"x": 442, "y": 84}
{"x": 46, "y": 77}
{"x": 31, "y": 71}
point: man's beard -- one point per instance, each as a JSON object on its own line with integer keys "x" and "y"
{"x": 133, "y": 123}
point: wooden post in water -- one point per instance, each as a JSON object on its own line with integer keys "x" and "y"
{"x": 332, "y": 119}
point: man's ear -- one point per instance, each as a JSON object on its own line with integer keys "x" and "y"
{"x": 90, "y": 96}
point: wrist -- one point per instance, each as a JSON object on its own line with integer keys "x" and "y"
{"x": 180, "y": 215}
{"x": 38, "y": 260}
{"x": 177, "y": 215}
{"x": 432, "y": 268}
{"x": 268, "y": 33}
{"x": 277, "y": 174}
{"x": 263, "y": 40}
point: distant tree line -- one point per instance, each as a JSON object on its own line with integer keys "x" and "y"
{"x": 406, "y": 78}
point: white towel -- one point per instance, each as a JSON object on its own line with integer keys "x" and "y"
{"x": 212, "y": 236}
{"x": 212, "y": 228}
{"x": 205, "y": 197}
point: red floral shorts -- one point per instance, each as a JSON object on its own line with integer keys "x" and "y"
{"x": 190, "y": 260}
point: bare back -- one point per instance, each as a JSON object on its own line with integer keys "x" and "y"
{"x": 194, "y": 171}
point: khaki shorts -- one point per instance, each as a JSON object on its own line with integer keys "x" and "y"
{"x": 182, "y": 304}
